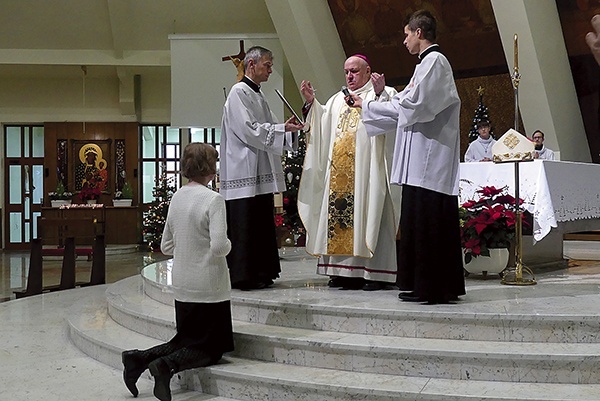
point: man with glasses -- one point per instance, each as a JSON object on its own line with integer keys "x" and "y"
{"x": 541, "y": 152}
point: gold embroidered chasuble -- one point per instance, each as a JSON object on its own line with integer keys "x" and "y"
{"x": 344, "y": 200}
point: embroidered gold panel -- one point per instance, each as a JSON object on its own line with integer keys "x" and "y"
{"x": 340, "y": 237}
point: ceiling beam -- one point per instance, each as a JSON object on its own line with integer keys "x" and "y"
{"x": 149, "y": 58}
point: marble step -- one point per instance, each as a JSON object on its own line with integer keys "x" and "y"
{"x": 419, "y": 357}
{"x": 93, "y": 331}
{"x": 501, "y": 313}
{"x": 236, "y": 378}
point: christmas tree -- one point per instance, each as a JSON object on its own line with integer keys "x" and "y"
{"x": 481, "y": 113}
{"x": 292, "y": 168}
{"x": 156, "y": 215}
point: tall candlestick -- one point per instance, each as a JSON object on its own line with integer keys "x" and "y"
{"x": 516, "y": 52}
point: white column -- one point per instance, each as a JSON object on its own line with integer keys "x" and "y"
{"x": 311, "y": 44}
{"x": 547, "y": 97}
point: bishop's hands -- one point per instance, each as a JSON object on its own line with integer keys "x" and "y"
{"x": 378, "y": 82}
{"x": 308, "y": 92}
{"x": 593, "y": 38}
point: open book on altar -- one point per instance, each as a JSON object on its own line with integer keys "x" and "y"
{"x": 289, "y": 107}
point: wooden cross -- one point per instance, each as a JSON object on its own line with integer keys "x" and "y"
{"x": 238, "y": 61}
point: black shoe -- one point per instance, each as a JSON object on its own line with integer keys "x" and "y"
{"x": 133, "y": 367}
{"x": 410, "y": 297}
{"x": 374, "y": 285}
{"x": 162, "y": 379}
{"x": 352, "y": 283}
{"x": 336, "y": 282}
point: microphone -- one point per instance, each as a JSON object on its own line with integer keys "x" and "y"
{"x": 346, "y": 92}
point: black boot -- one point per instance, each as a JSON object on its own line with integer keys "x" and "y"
{"x": 162, "y": 379}
{"x": 135, "y": 362}
{"x": 133, "y": 367}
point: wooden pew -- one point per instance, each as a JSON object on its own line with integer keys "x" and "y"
{"x": 68, "y": 230}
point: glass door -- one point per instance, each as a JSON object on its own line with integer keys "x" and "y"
{"x": 24, "y": 184}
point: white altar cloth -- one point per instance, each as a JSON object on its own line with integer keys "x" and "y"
{"x": 553, "y": 191}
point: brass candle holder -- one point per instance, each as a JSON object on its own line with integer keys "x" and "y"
{"x": 513, "y": 275}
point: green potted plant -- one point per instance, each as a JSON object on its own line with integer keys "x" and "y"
{"x": 124, "y": 197}
{"x": 60, "y": 196}
{"x": 487, "y": 230}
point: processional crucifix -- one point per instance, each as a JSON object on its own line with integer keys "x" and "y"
{"x": 238, "y": 61}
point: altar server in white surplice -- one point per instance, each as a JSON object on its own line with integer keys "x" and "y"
{"x": 426, "y": 158}
{"x": 252, "y": 144}
{"x": 541, "y": 151}
{"x": 344, "y": 199}
{"x": 480, "y": 150}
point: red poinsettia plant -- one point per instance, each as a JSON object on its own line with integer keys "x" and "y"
{"x": 488, "y": 222}
{"x": 91, "y": 189}
{"x": 90, "y": 193}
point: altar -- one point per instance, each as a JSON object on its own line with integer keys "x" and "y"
{"x": 563, "y": 197}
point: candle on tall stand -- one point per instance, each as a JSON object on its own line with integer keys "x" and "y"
{"x": 515, "y": 80}
{"x": 514, "y": 275}
{"x": 516, "y": 52}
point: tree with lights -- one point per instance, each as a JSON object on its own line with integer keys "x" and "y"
{"x": 156, "y": 215}
{"x": 481, "y": 113}
{"x": 292, "y": 168}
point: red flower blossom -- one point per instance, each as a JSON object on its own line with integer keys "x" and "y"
{"x": 278, "y": 220}
{"x": 488, "y": 222}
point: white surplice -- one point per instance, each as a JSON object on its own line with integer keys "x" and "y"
{"x": 252, "y": 144}
{"x": 376, "y": 210}
{"x": 480, "y": 149}
{"x": 426, "y": 117}
{"x": 545, "y": 154}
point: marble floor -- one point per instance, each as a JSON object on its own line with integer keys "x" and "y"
{"x": 38, "y": 361}
{"x": 14, "y": 269}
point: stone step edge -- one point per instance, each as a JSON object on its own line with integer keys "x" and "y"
{"x": 119, "y": 293}
{"x": 164, "y": 295}
{"x": 464, "y": 359}
{"x": 94, "y": 345}
{"x": 435, "y": 347}
{"x": 258, "y": 377}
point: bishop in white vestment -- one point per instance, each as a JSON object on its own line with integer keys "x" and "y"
{"x": 350, "y": 213}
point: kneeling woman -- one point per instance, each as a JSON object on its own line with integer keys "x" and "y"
{"x": 196, "y": 235}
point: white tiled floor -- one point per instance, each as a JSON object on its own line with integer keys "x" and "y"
{"x": 38, "y": 361}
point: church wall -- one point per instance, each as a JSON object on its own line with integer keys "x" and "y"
{"x": 108, "y": 132}
{"x": 498, "y": 94}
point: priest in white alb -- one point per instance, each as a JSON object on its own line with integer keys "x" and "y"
{"x": 252, "y": 144}
{"x": 345, "y": 201}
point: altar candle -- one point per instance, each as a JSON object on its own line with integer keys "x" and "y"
{"x": 516, "y": 52}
